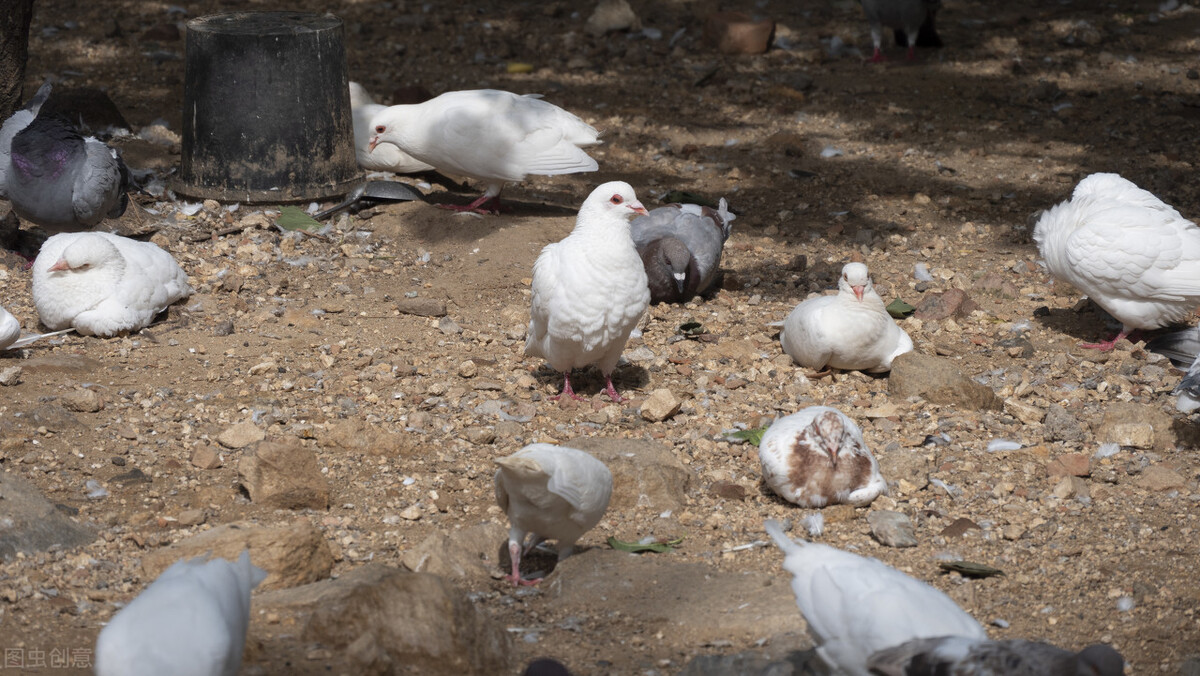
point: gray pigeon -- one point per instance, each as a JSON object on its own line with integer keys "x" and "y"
{"x": 902, "y": 15}
{"x": 54, "y": 176}
{"x": 962, "y": 656}
{"x": 680, "y": 246}
{"x": 1183, "y": 349}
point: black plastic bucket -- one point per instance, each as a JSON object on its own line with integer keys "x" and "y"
{"x": 266, "y": 109}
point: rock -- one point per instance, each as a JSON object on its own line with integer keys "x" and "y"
{"x": 993, "y": 284}
{"x": 738, "y": 33}
{"x": 727, "y": 490}
{"x": 1012, "y": 531}
{"x": 292, "y": 555}
{"x": 949, "y": 303}
{"x": 83, "y": 400}
{"x": 241, "y": 435}
{"x": 959, "y": 527}
{"x": 465, "y": 553}
{"x": 646, "y": 475}
{"x": 11, "y": 376}
{"x": 695, "y": 599}
{"x": 284, "y": 475}
{"x": 1159, "y": 478}
{"x": 1135, "y": 425}
{"x": 612, "y": 15}
{"x": 1070, "y": 487}
{"x": 938, "y": 381}
{"x": 660, "y": 405}
{"x": 898, "y": 464}
{"x": 448, "y": 326}
{"x": 467, "y": 369}
{"x": 1060, "y": 425}
{"x": 479, "y": 435}
{"x": 191, "y": 517}
{"x": 161, "y": 32}
{"x": 1024, "y": 412}
{"x": 359, "y": 436}
{"x": 422, "y": 307}
{"x": 206, "y": 457}
{"x": 29, "y": 523}
{"x": 391, "y": 621}
{"x": 1069, "y": 464}
{"x": 892, "y": 529}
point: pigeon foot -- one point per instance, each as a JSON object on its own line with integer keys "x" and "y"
{"x": 877, "y": 57}
{"x": 476, "y": 207}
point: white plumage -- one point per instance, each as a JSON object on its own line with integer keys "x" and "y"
{"x": 101, "y": 284}
{"x": 550, "y": 491}
{"x": 589, "y": 290}
{"x": 856, "y": 606}
{"x": 850, "y": 330}
{"x": 10, "y": 332}
{"x": 962, "y": 656}
{"x": 191, "y": 621}
{"x": 1130, "y": 252}
{"x": 817, "y": 457}
{"x": 385, "y": 156}
{"x": 492, "y": 136}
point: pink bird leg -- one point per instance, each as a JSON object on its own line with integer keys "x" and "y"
{"x": 477, "y": 206}
{"x": 567, "y": 391}
{"x": 878, "y": 56}
{"x": 1108, "y": 345}
{"x": 612, "y": 391}
{"x": 912, "y": 52}
{"x": 514, "y": 553}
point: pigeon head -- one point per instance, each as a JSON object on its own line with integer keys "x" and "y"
{"x": 612, "y": 199}
{"x": 1100, "y": 660}
{"x": 677, "y": 258}
{"x": 828, "y": 430}
{"x": 88, "y": 254}
{"x": 855, "y": 279}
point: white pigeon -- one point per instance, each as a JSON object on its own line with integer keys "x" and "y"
{"x": 550, "y": 491}
{"x": 856, "y": 606}
{"x": 385, "y": 156}
{"x": 906, "y": 16}
{"x": 850, "y": 330}
{"x": 962, "y": 656}
{"x": 101, "y": 284}
{"x": 589, "y": 290}
{"x": 492, "y": 136}
{"x": 680, "y": 246}
{"x": 1129, "y": 251}
{"x": 53, "y": 175}
{"x": 10, "y": 332}
{"x": 191, "y": 621}
{"x": 817, "y": 457}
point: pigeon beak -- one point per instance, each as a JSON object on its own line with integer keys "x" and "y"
{"x": 374, "y": 142}
{"x": 60, "y": 265}
{"x": 636, "y": 207}
{"x": 859, "y": 291}
{"x": 679, "y": 280}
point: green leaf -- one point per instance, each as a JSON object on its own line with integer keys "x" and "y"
{"x": 749, "y": 436}
{"x": 899, "y": 309}
{"x": 681, "y": 197}
{"x": 295, "y": 218}
{"x": 970, "y": 568}
{"x": 638, "y": 548}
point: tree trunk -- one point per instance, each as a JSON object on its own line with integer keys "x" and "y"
{"x": 14, "y": 49}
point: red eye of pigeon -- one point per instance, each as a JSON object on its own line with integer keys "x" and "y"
{"x": 380, "y": 129}
{"x": 616, "y": 199}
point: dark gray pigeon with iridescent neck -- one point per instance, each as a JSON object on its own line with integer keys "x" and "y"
{"x": 969, "y": 656}
{"x": 54, "y": 176}
{"x": 680, "y": 246}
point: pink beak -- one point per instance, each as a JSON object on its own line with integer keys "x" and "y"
{"x": 859, "y": 291}
{"x": 60, "y": 265}
{"x": 374, "y": 142}
{"x": 636, "y": 207}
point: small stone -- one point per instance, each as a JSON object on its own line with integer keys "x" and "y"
{"x": 411, "y": 513}
{"x": 660, "y": 405}
{"x": 727, "y": 490}
{"x": 83, "y": 400}
{"x": 284, "y": 475}
{"x": 1023, "y": 412}
{"x": 480, "y": 435}
{"x": 1012, "y": 531}
{"x": 738, "y": 33}
{"x": 206, "y": 457}
{"x": 191, "y": 517}
{"x": 1070, "y": 487}
{"x": 448, "y": 326}
{"x": 1060, "y": 425}
{"x": 241, "y": 435}
{"x": 959, "y": 527}
{"x": 892, "y": 529}
{"x": 612, "y": 15}
{"x": 949, "y": 303}
{"x": 233, "y": 283}
{"x": 422, "y": 307}
{"x": 11, "y": 376}
{"x": 1070, "y": 464}
{"x": 467, "y": 369}
{"x": 1158, "y": 478}
{"x": 225, "y": 328}
{"x": 938, "y": 381}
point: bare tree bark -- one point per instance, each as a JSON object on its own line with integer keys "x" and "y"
{"x": 15, "y": 16}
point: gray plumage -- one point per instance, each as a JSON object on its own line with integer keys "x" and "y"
{"x": 682, "y": 239}
{"x": 54, "y": 176}
{"x": 901, "y": 15}
{"x": 962, "y": 656}
{"x": 1183, "y": 349}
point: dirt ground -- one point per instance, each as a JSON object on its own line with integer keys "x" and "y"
{"x": 941, "y": 161}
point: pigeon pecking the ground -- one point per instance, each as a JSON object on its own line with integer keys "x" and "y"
{"x": 550, "y": 491}
{"x": 856, "y": 606}
{"x": 961, "y": 656}
{"x": 680, "y": 246}
{"x": 589, "y": 290}
{"x": 1130, "y": 252}
{"x": 101, "y": 284}
{"x": 10, "y": 332}
{"x": 817, "y": 457}
{"x": 901, "y": 15}
{"x": 384, "y": 156}
{"x": 191, "y": 620}
{"x": 54, "y": 176}
{"x": 492, "y": 136}
{"x": 850, "y": 330}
